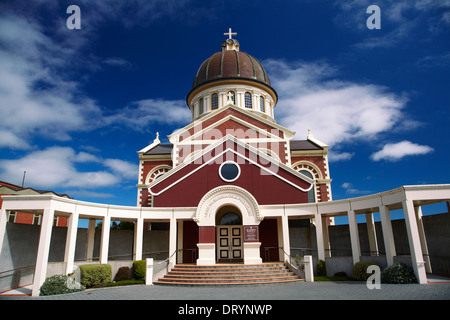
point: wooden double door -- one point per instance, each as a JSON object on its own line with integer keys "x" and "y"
{"x": 229, "y": 243}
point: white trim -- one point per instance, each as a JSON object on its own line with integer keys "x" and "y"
{"x": 301, "y": 176}
{"x": 221, "y": 196}
{"x": 288, "y": 133}
{"x": 151, "y": 146}
{"x": 271, "y": 136}
{"x": 154, "y": 170}
{"x": 250, "y": 148}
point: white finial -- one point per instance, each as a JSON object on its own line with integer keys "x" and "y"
{"x": 310, "y": 135}
{"x": 230, "y": 34}
{"x": 157, "y": 138}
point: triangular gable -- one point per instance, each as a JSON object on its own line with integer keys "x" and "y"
{"x": 235, "y": 126}
{"x": 225, "y": 148}
{"x": 248, "y": 119}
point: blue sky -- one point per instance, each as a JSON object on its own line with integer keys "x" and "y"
{"x": 77, "y": 104}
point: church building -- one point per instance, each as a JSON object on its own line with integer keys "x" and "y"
{"x": 229, "y": 185}
{"x": 230, "y": 159}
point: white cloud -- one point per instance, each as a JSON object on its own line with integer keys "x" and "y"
{"x": 140, "y": 114}
{"x": 336, "y": 111}
{"x": 396, "y": 151}
{"x": 39, "y": 95}
{"x": 400, "y": 19}
{"x": 56, "y": 167}
{"x": 334, "y": 156}
{"x": 122, "y": 168}
{"x": 35, "y": 99}
{"x": 350, "y": 189}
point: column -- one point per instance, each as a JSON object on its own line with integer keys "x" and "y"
{"x": 138, "y": 238}
{"x": 354, "y": 236}
{"x": 388, "y": 236}
{"x": 280, "y": 239}
{"x": 90, "y": 240}
{"x": 206, "y": 245}
{"x": 172, "y": 242}
{"x": 40, "y": 272}
{"x": 3, "y": 218}
{"x": 71, "y": 238}
{"x": 326, "y": 238}
{"x": 286, "y": 242}
{"x": 180, "y": 242}
{"x": 222, "y": 98}
{"x": 104, "y": 245}
{"x": 319, "y": 237}
{"x": 414, "y": 241}
{"x": 423, "y": 239}
{"x": 373, "y": 245}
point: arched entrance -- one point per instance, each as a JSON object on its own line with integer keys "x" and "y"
{"x": 229, "y": 241}
{"x": 228, "y": 220}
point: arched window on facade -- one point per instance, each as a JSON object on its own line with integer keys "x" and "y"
{"x": 311, "y": 193}
{"x": 154, "y": 174}
{"x": 248, "y": 100}
{"x": 214, "y": 101}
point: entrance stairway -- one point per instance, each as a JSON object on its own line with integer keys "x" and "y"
{"x": 228, "y": 274}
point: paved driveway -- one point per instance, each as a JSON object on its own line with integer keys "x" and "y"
{"x": 291, "y": 291}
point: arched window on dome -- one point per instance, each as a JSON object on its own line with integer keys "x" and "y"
{"x": 311, "y": 194}
{"x": 248, "y": 100}
{"x": 262, "y": 104}
{"x": 214, "y": 101}
{"x": 200, "y": 106}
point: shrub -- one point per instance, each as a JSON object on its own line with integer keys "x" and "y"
{"x": 321, "y": 268}
{"x": 359, "y": 271}
{"x": 139, "y": 268}
{"x": 398, "y": 273}
{"x": 123, "y": 273}
{"x": 60, "y": 284}
{"x": 95, "y": 275}
{"x": 299, "y": 262}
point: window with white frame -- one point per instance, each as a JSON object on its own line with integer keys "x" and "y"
{"x": 262, "y": 104}
{"x": 200, "y": 106}
{"x": 311, "y": 193}
{"x": 248, "y": 100}
{"x": 214, "y": 101}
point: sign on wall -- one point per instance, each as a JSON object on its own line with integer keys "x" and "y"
{"x": 251, "y": 234}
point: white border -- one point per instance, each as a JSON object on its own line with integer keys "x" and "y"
{"x": 229, "y": 180}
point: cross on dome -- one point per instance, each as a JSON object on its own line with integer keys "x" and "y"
{"x": 230, "y": 34}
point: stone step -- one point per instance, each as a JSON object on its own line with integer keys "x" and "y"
{"x": 181, "y": 283}
{"x": 228, "y": 274}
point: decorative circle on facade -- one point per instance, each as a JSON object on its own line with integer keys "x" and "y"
{"x": 229, "y": 171}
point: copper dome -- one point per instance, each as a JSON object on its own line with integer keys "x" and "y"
{"x": 230, "y": 64}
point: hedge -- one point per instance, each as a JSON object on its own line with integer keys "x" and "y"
{"x": 139, "y": 269}
{"x": 59, "y": 284}
{"x": 359, "y": 271}
{"x": 95, "y": 275}
{"x": 398, "y": 273}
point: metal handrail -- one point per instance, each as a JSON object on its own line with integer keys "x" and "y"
{"x": 16, "y": 269}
